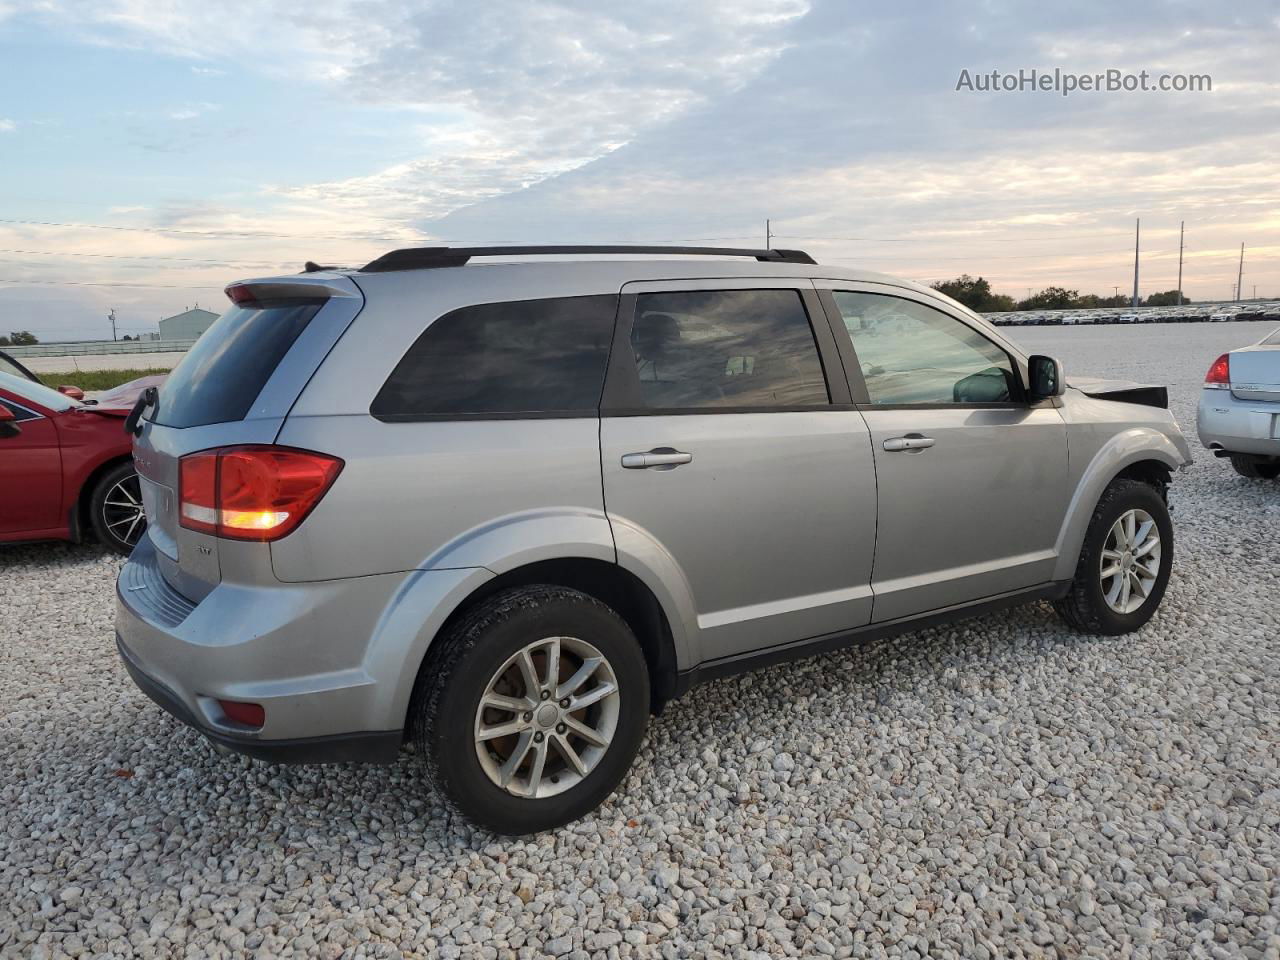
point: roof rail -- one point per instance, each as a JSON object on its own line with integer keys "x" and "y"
{"x": 418, "y": 258}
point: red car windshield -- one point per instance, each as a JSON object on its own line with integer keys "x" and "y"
{"x": 25, "y": 389}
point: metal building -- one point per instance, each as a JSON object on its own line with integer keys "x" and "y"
{"x": 187, "y": 325}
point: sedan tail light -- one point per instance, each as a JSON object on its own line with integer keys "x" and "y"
{"x": 1219, "y": 374}
{"x": 253, "y": 492}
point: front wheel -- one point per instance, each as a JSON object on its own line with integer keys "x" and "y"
{"x": 1254, "y": 468}
{"x": 115, "y": 509}
{"x": 530, "y": 710}
{"x": 1124, "y": 563}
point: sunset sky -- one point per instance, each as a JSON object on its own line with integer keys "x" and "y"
{"x": 152, "y": 153}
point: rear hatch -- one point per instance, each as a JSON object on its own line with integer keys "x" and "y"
{"x": 235, "y": 386}
{"x": 1255, "y": 372}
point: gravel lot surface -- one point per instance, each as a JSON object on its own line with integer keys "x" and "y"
{"x": 999, "y": 789}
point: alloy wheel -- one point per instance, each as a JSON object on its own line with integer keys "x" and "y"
{"x": 547, "y": 717}
{"x": 122, "y": 512}
{"x": 1130, "y": 562}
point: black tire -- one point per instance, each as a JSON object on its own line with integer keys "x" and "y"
{"x": 1085, "y": 608}
{"x": 110, "y": 524}
{"x": 457, "y": 672}
{"x": 1253, "y": 468}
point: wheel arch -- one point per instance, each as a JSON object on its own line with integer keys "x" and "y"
{"x": 603, "y": 580}
{"x": 1145, "y": 455}
{"x": 79, "y": 518}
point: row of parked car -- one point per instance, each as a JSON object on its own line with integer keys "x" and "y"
{"x": 1191, "y": 313}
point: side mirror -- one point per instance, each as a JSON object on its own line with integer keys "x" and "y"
{"x": 8, "y": 423}
{"x": 75, "y": 393}
{"x": 1046, "y": 378}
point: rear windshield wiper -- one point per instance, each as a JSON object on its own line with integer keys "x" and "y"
{"x": 149, "y": 398}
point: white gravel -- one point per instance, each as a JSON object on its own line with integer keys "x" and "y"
{"x": 999, "y": 789}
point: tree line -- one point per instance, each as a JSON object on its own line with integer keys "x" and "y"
{"x": 19, "y": 338}
{"x": 975, "y": 293}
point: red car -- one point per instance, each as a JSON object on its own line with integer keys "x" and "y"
{"x": 66, "y": 467}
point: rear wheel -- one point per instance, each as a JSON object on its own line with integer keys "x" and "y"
{"x": 115, "y": 509}
{"x": 530, "y": 710}
{"x": 1255, "y": 468}
{"x": 1124, "y": 564}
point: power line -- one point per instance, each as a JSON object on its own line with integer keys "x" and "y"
{"x": 125, "y": 256}
{"x": 945, "y": 239}
{"x": 85, "y": 283}
{"x": 246, "y": 235}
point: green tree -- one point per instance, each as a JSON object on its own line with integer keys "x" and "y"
{"x": 1168, "y": 298}
{"x": 1051, "y": 298}
{"x": 4, "y": 342}
{"x": 975, "y": 293}
{"x": 22, "y": 338}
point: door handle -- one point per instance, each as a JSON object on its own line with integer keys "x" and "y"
{"x": 662, "y": 457}
{"x": 912, "y": 441}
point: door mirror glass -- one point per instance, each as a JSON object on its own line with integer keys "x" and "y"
{"x": 1046, "y": 377}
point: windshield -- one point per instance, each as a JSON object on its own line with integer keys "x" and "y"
{"x": 26, "y": 389}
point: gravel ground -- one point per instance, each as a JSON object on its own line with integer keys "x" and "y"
{"x": 999, "y": 789}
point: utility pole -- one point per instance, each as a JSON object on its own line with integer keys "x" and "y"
{"x": 1137, "y": 228}
{"x": 1240, "y": 274}
{"x": 768, "y": 235}
{"x": 1181, "y": 227}
{"x": 112, "y": 317}
{"x": 1116, "y": 288}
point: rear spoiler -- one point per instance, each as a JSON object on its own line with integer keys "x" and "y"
{"x": 315, "y": 287}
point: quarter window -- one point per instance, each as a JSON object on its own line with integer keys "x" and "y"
{"x": 725, "y": 348}
{"x": 518, "y": 357}
{"x": 914, "y": 354}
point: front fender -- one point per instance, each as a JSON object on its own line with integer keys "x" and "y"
{"x": 1123, "y": 450}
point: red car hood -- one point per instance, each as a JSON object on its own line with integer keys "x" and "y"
{"x": 118, "y": 401}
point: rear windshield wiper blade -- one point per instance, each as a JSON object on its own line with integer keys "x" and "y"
{"x": 150, "y": 397}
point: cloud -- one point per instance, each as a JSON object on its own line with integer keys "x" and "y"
{"x": 7, "y": 126}
{"x": 560, "y": 120}
{"x": 192, "y": 111}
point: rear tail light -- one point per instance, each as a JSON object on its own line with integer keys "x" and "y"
{"x": 254, "y": 492}
{"x": 240, "y": 293}
{"x": 1219, "y": 374}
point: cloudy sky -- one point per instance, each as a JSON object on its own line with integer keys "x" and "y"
{"x": 152, "y": 152}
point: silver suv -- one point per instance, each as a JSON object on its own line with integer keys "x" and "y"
{"x": 508, "y": 510}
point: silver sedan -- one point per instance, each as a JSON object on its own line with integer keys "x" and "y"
{"x": 1239, "y": 415}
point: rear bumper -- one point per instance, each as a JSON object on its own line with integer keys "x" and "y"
{"x": 338, "y": 748}
{"x": 1225, "y": 422}
{"x": 299, "y": 650}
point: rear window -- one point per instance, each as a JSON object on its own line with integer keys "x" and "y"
{"x": 523, "y": 357}
{"x": 220, "y": 377}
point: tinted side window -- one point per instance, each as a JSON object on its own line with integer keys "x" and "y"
{"x": 910, "y": 353}
{"x": 726, "y": 348}
{"x": 220, "y": 377}
{"x": 518, "y": 357}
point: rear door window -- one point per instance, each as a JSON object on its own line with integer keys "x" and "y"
{"x": 726, "y": 348}
{"x": 515, "y": 358}
{"x": 221, "y": 376}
